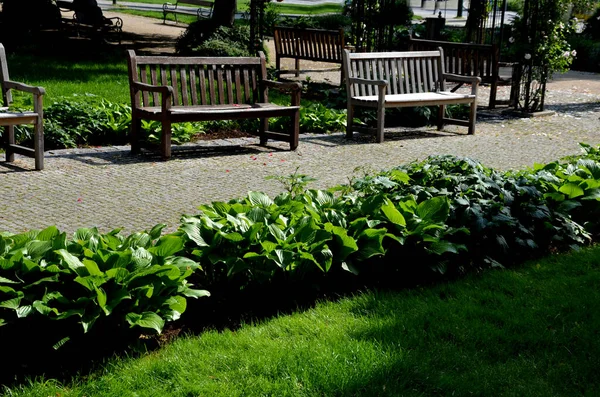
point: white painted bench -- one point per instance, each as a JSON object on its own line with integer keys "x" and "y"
{"x": 404, "y": 79}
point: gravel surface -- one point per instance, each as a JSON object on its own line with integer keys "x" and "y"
{"x": 109, "y": 188}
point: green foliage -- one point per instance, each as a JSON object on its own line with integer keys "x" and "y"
{"x": 375, "y": 23}
{"x": 138, "y": 280}
{"x": 588, "y": 53}
{"x": 222, "y": 41}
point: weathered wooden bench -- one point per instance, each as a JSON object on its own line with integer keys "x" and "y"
{"x": 307, "y": 44}
{"x": 204, "y": 10}
{"x": 403, "y": 79}
{"x": 178, "y": 89}
{"x": 467, "y": 59}
{"x": 8, "y": 119}
{"x": 77, "y": 24}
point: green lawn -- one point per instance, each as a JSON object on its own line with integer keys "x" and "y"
{"x": 104, "y": 76}
{"x": 532, "y": 331}
{"x": 243, "y": 5}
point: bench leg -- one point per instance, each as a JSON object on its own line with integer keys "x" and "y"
{"x": 294, "y": 139}
{"x": 134, "y": 137}
{"x": 493, "y": 93}
{"x": 349, "y": 121}
{"x": 440, "y": 118}
{"x": 264, "y": 127}
{"x": 38, "y": 144}
{"x": 380, "y": 123}
{"x": 472, "y": 118}
{"x": 297, "y": 67}
{"x": 165, "y": 141}
{"x": 10, "y": 140}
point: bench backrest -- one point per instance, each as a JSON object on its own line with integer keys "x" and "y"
{"x": 309, "y": 44}
{"x": 199, "y": 80}
{"x": 6, "y": 93}
{"x": 464, "y": 59}
{"x": 405, "y": 72}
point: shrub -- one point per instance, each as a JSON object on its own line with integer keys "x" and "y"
{"x": 137, "y": 280}
{"x": 223, "y": 41}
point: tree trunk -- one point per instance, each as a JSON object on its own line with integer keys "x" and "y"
{"x": 224, "y": 13}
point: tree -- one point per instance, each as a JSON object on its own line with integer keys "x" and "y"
{"x": 224, "y": 13}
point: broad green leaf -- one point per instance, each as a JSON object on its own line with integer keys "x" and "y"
{"x": 140, "y": 258}
{"x": 233, "y": 236}
{"x": 4, "y": 280}
{"x": 177, "y": 303}
{"x": 555, "y": 196}
{"x": 36, "y": 249}
{"x": 193, "y": 232}
{"x": 167, "y": 246}
{"x": 101, "y": 297}
{"x": 434, "y": 210}
{"x": 276, "y": 232}
{"x": 283, "y": 258}
{"x": 92, "y": 267}
{"x": 24, "y": 311}
{"x": 43, "y": 308}
{"x": 48, "y": 233}
{"x": 392, "y": 214}
{"x": 349, "y": 268}
{"x": 119, "y": 274}
{"x": 114, "y": 299}
{"x": 571, "y": 190}
{"x": 260, "y": 199}
{"x": 71, "y": 261}
{"x": 194, "y": 293}
{"x": 347, "y": 244}
{"x": 147, "y": 320}
{"x": 91, "y": 282}
{"x": 258, "y": 214}
{"x": 592, "y": 194}
{"x": 12, "y": 303}
{"x": 442, "y": 247}
{"x": 156, "y": 231}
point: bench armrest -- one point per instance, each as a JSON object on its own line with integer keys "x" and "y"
{"x": 355, "y": 80}
{"x": 474, "y": 80}
{"x": 24, "y": 87}
{"x": 283, "y": 86}
{"x": 163, "y": 89}
{"x": 166, "y": 92}
{"x": 293, "y": 88}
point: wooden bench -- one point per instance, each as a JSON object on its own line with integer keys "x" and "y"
{"x": 9, "y": 119}
{"x": 76, "y": 22}
{"x": 204, "y": 10}
{"x": 307, "y": 44}
{"x": 403, "y": 79}
{"x": 466, "y": 59}
{"x": 178, "y": 89}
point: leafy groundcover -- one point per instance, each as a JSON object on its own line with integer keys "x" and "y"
{"x": 95, "y": 293}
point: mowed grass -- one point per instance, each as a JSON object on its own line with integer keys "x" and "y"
{"x": 104, "y": 76}
{"x": 283, "y": 7}
{"x": 533, "y": 331}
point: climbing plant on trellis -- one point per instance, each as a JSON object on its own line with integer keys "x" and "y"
{"x": 540, "y": 47}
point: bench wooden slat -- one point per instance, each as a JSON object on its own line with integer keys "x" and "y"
{"x": 174, "y": 83}
{"x": 193, "y": 82}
